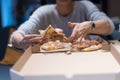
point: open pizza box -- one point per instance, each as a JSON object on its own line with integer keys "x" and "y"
{"x": 94, "y": 65}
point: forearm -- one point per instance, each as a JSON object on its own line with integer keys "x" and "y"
{"x": 102, "y": 27}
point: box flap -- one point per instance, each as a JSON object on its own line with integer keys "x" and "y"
{"x": 115, "y": 50}
{"x": 35, "y": 48}
{"x": 19, "y": 64}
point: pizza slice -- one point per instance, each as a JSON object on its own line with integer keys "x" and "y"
{"x": 52, "y": 46}
{"x": 52, "y": 34}
{"x": 49, "y": 31}
{"x": 87, "y": 45}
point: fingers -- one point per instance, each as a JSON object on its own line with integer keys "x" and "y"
{"x": 83, "y": 36}
{"x": 78, "y": 36}
{"x": 73, "y": 36}
{"x": 79, "y": 40}
{"x": 80, "y": 31}
{"x": 72, "y": 25}
{"x": 39, "y": 40}
{"x": 27, "y": 37}
{"x": 34, "y": 39}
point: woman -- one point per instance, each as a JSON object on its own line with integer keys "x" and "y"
{"x": 76, "y": 18}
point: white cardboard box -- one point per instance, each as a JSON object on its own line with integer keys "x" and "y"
{"x": 95, "y": 65}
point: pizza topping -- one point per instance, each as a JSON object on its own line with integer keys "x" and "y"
{"x": 52, "y": 45}
{"x": 87, "y": 45}
{"x": 56, "y": 37}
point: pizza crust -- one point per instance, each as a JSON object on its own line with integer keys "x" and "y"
{"x": 92, "y": 48}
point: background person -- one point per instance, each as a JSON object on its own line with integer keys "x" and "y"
{"x": 76, "y": 18}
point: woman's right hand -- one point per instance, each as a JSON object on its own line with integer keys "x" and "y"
{"x": 27, "y": 40}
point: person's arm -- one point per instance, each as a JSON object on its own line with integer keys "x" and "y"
{"x": 81, "y": 30}
{"x": 103, "y": 23}
{"x": 101, "y": 27}
{"x": 28, "y": 29}
{"x": 23, "y": 42}
{"x": 17, "y": 41}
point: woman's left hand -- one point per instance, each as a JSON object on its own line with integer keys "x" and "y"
{"x": 80, "y": 31}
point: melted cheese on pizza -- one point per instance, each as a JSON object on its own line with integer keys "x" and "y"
{"x": 52, "y": 45}
{"x": 87, "y": 45}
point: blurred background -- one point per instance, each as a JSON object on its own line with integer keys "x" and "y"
{"x": 15, "y": 12}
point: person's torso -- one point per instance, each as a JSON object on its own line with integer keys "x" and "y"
{"x": 57, "y": 21}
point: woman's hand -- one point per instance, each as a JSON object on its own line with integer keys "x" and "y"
{"x": 32, "y": 39}
{"x": 80, "y": 31}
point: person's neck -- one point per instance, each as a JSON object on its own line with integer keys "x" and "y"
{"x": 64, "y": 10}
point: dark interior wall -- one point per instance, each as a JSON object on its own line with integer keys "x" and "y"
{"x": 114, "y": 8}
